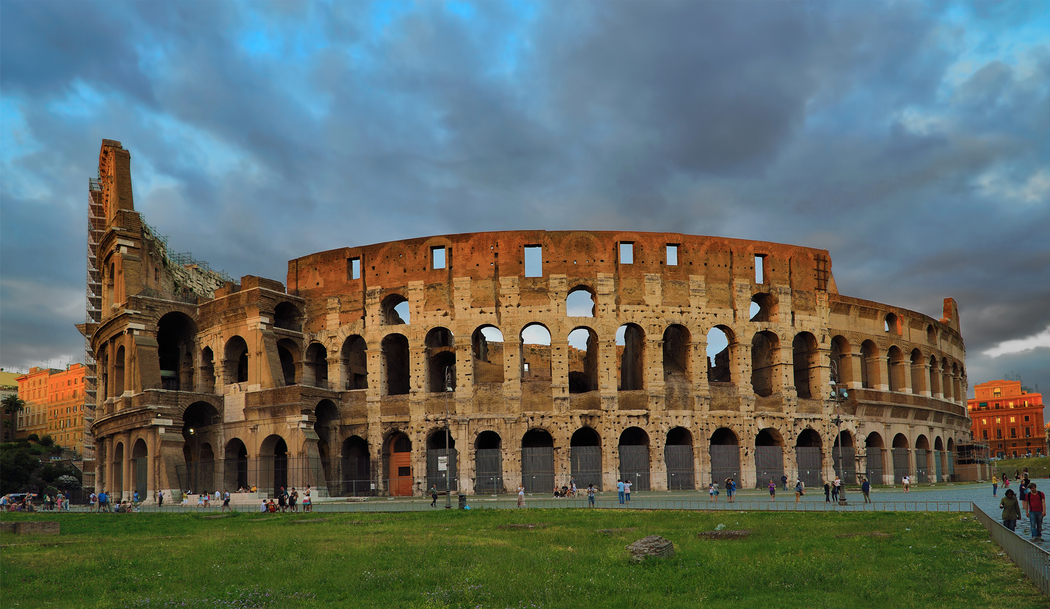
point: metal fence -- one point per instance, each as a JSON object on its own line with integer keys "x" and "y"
{"x": 1032, "y": 559}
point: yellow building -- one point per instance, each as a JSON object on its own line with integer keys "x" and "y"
{"x": 54, "y": 405}
{"x": 32, "y": 388}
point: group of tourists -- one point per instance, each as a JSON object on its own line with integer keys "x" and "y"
{"x": 1005, "y": 480}
{"x": 287, "y": 501}
{"x": 833, "y": 490}
{"x": 623, "y": 491}
{"x": 1031, "y": 500}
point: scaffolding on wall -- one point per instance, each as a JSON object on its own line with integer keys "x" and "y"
{"x": 92, "y": 317}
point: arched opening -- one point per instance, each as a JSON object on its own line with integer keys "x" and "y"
{"x": 235, "y": 465}
{"x": 326, "y": 426}
{"x": 923, "y": 459}
{"x": 487, "y": 347}
{"x": 580, "y": 303}
{"x": 398, "y": 453}
{"x": 630, "y": 357}
{"x": 931, "y": 334}
{"x": 918, "y": 373}
{"x": 583, "y": 360}
{"x": 537, "y": 461}
{"x": 844, "y": 457}
{"x": 176, "y": 334}
{"x": 938, "y": 458}
{"x": 721, "y": 347}
{"x": 634, "y": 457}
{"x": 441, "y": 361}
{"x": 895, "y": 368}
{"x": 395, "y": 364}
{"x": 806, "y": 364}
{"x": 585, "y": 457}
{"x": 678, "y": 458}
{"x": 287, "y": 316}
{"x": 140, "y": 469}
{"x": 207, "y": 371}
{"x": 357, "y": 467}
{"x": 396, "y": 310}
{"x": 236, "y": 361}
{"x": 809, "y": 457}
{"x": 678, "y": 370}
{"x": 891, "y": 324}
{"x": 764, "y": 307}
{"x": 288, "y": 353}
{"x": 273, "y": 465}
{"x": 842, "y": 356}
{"x": 200, "y": 424}
{"x": 535, "y": 359}
{"x": 869, "y": 370}
{"x": 769, "y": 457}
{"x": 725, "y": 455}
{"x": 116, "y": 489}
{"x": 315, "y": 372}
{"x": 873, "y": 453}
{"x": 442, "y": 462}
{"x": 946, "y": 383}
{"x": 353, "y": 357}
{"x": 956, "y": 383}
{"x": 765, "y": 360}
{"x": 900, "y": 457}
{"x": 118, "y": 372}
{"x": 488, "y": 463}
{"x": 935, "y": 377}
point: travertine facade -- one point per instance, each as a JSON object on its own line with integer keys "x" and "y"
{"x": 569, "y": 353}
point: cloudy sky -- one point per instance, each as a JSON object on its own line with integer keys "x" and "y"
{"x": 911, "y": 140}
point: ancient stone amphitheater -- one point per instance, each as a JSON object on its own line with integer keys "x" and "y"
{"x": 506, "y": 358}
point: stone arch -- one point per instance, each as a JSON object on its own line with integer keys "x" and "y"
{"x": 289, "y": 356}
{"x": 118, "y": 371}
{"x": 535, "y": 342}
{"x": 288, "y": 316}
{"x": 765, "y": 307}
{"x": 235, "y": 465}
{"x": 900, "y": 450}
{"x": 891, "y": 324}
{"x": 725, "y": 455}
{"x": 895, "y": 368}
{"x": 765, "y": 361}
{"x": 236, "y": 357}
{"x": 806, "y": 366}
{"x": 946, "y": 384}
{"x": 353, "y": 359}
{"x": 634, "y": 458}
{"x": 207, "y": 370}
{"x": 842, "y": 358}
{"x": 923, "y": 459}
{"x": 679, "y": 459}
{"x": 487, "y": 348}
{"x": 630, "y": 358}
{"x": 721, "y": 355}
{"x": 395, "y": 365}
{"x": 769, "y": 457}
{"x": 931, "y": 334}
{"x": 580, "y": 302}
{"x": 395, "y": 310}
{"x": 140, "y": 469}
{"x": 176, "y": 343}
{"x": 356, "y": 462}
{"x": 585, "y": 457}
{"x": 809, "y": 457}
{"x": 315, "y": 368}
{"x": 201, "y": 430}
{"x": 441, "y": 360}
{"x": 488, "y": 463}
{"x": 869, "y": 368}
{"x": 440, "y": 444}
{"x": 918, "y": 372}
{"x": 326, "y": 426}
{"x": 935, "y": 377}
{"x": 583, "y": 360}
{"x": 273, "y": 464}
{"x": 537, "y": 461}
{"x": 116, "y": 489}
{"x": 874, "y": 448}
{"x": 843, "y": 456}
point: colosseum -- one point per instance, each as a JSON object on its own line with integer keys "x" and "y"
{"x": 503, "y": 358}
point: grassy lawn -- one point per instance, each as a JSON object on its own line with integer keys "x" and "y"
{"x": 484, "y": 558}
{"x": 1038, "y": 467}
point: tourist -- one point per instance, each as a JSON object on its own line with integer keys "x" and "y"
{"x": 995, "y": 485}
{"x": 906, "y": 481}
{"x": 712, "y": 489}
{"x": 282, "y": 500}
{"x": 772, "y": 490}
{"x": 92, "y": 502}
{"x": 308, "y": 504}
{"x": 271, "y": 507}
{"x": 730, "y": 490}
{"x": 1011, "y": 509}
{"x": 200, "y": 501}
{"x": 620, "y": 490}
{"x": 263, "y": 507}
{"x": 433, "y": 495}
{"x": 590, "y": 495}
{"x": 293, "y": 500}
{"x": 784, "y": 480}
{"x": 836, "y": 488}
{"x": 521, "y": 496}
{"x": 827, "y": 492}
{"x": 226, "y": 502}
{"x": 160, "y": 498}
{"x": 865, "y": 487}
{"x": 800, "y": 489}
{"x": 627, "y": 491}
{"x": 1035, "y": 509}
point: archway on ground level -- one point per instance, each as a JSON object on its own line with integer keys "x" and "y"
{"x": 116, "y": 487}
{"x": 873, "y": 447}
{"x": 235, "y": 465}
{"x": 844, "y": 457}
{"x": 273, "y": 465}
{"x": 769, "y": 457}
{"x": 923, "y": 459}
{"x": 809, "y": 457}
{"x": 398, "y": 453}
{"x": 537, "y": 461}
{"x": 442, "y": 464}
{"x": 678, "y": 458}
{"x": 634, "y": 458}
{"x": 488, "y": 463}
{"x": 140, "y": 469}
{"x": 357, "y": 467}
{"x": 939, "y": 455}
{"x": 200, "y": 422}
{"x": 900, "y": 457}
{"x": 725, "y": 455}
{"x": 585, "y": 458}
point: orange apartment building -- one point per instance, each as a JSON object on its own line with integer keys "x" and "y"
{"x": 1008, "y": 419}
{"x": 54, "y": 405}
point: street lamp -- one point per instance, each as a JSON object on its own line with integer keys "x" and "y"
{"x": 839, "y": 395}
{"x": 448, "y": 460}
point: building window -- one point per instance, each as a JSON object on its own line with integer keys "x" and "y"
{"x": 997, "y": 392}
{"x": 1013, "y": 432}
{"x": 437, "y": 257}
{"x": 626, "y": 253}
{"x": 355, "y": 268}
{"x": 984, "y": 434}
{"x": 534, "y": 261}
{"x": 760, "y": 268}
{"x": 672, "y": 255}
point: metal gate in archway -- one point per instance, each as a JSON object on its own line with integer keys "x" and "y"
{"x": 489, "y": 471}
{"x": 875, "y": 469}
{"x": 438, "y": 478}
{"x": 769, "y": 465}
{"x": 900, "y": 464}
{"x": 937, "y": 466}
{"x": 679, "y": 461}
{"x": 808, "y": 459}
{"x": 634, "y": 465}
{"x": 847, "y": 469}
{"x": 141, "y": 477}
{"x": 537, "y": 468}
{"x": 921, "y": 465}
{"x": 586, "y": 465}
{"x": 725, "y": 462}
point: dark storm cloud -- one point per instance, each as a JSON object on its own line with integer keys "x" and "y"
{"x": 904, "y": 137}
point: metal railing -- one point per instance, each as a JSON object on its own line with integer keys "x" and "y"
{"x": 1032, "y": 559}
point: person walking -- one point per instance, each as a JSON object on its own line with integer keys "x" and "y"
{"x": 836, "y": 488}
{"x": 627, "y": 491}
{"x": 620, "y": 488}
{"x": 827, "y": 492}
{"x": 590, "y": 495}
{"x": 800, "y": 489}
{"x": 225, "y": 501}
{"x": 1035, "y": 509}
{"x": 293, "y": 500}
{"x": 521, "y": 496}
{"x": 433, "y": 495}
{"x": 784, "y": 480}
{"x": 865, "y": 487}
{"x": 772, "y": 490}
{"x": 712, "y": 489}
{"x": 995, "y": 485}
{"x": 1011, "y": 509}
{"x": 160, "y": 498}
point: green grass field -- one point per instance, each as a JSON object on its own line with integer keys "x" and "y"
{"x": 485, "y": 558}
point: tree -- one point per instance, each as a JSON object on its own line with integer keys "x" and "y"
{"x": 12, "y": 404}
